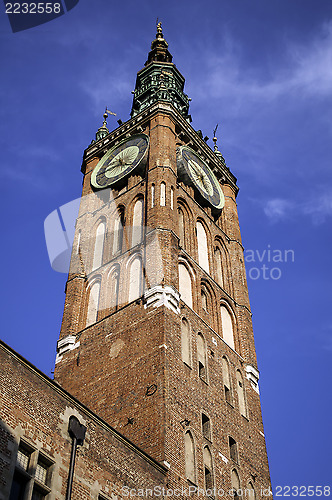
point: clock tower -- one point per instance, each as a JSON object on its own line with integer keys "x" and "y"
{"x": 157, "y": 337}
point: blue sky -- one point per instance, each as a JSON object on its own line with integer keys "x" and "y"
{"x": 262, "y": 69}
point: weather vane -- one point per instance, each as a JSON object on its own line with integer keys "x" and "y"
{"x": 215, "y": 138}
{"x": 105, "y": 115}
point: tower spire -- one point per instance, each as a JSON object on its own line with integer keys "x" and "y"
{"x": 159, "y": 48}
{"x": 103, "y": 130}
{"x": 160, "y": 80}
{"x": 215, "y": 147}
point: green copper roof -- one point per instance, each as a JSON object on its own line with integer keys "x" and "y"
{"x": 159, "y": 80}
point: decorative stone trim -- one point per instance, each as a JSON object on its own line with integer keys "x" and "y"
{"x": 253, "y": 377}
{"x": 159, "y": 295}
{"x": 66, "y": 344}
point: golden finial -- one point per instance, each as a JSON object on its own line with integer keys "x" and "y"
{"x": 159, "y": 30}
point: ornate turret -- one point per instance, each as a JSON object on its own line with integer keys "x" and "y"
{"x": 159, "y": 80}
{"x": 215, "y": 148}
{"x": 103, "y": 130}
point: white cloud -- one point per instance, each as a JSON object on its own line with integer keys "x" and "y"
{"x": 278, "y": 208}
{"x": 304, "y": 70}
{"x": 318, "y": 208}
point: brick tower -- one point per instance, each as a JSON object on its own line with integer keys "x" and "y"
{"x": 157, "y": 335}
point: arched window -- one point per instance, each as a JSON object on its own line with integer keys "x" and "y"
{"x": 233, "y": 449}
{"x": 163, "y": 194}
{"x": 78, "y": 242}
{"x": 206, "y": 427}
{"x": 185, "y": 342}
{"x": 203, "y": 257}
{"x": 226, "y": 380}
{"x": 218, "y": 264}
{"x": 135, "y": 278}
{"x": 185, "y": 285}
{"x": 250, "y": 492}
{"x": 227, "y": 327}
{"x": 114, "y": 288}
{"x": 201, "y": 357}
{"x": 241, "y": 394}
{"x": 204, "y": 301}
{"x": 152, "y": 195}
{"x": 181, "y": 228}
{"x": 208, "y": 469}
{"x": 189, "y": 456}
{"x": 137, "y": 233}
{"x": 99, "y": 246}
{"x": 93, "y": 303}
{"x": 172, "y": 198}
{"x": 235, "y": 484}
{"x": 118, "y": 232}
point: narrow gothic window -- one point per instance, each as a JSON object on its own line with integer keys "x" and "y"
{"x": 208, "y": 469}
{"x": 93, "y": 303}
{"x": 227, "y": 327}
{"x": 250, "y": 492}
{"x": 118, "y": 232}
{"x": 226, "y": 380}
{"x": 99, "y": 246}
{"x": 203, "y": 257}
{"x": 135, "y": 277}
{"x": 218, "y": 264}
{"x": 206, "y": 427}
{"x": 185, "y": 341}
{"x": 201, "y": 355}
{"x": 240, "y": 393}
{"x": 181, "y": 228}
{"x": 233, "y": 449}
{"x": 185, "y": 285}
{"x": 172, "y": 198}
{"x": 78, "y": 242}
{"x": 189, "y": 456}
{"x": 163, "y": 194}
{"x": 114, "y": 288}
{"x": 152, "y": 196}
{"x": 235, "y": 485}
{"x": 204, "y": 300}
{"x": 137, "y": 232}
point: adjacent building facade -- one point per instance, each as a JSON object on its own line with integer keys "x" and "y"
{"x": 156, "y": 354}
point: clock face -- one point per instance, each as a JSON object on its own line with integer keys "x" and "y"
{"x": 120, "y": 161}
{"x": 200, "y": 176}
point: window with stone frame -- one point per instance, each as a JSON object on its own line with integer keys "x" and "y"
{"x": 208, "y": 470}
{"x": 32, "y": 475}
{"x": 226, "y": 380}
{"x": 201, "y": 357}
{"x": 99, "y": 246}
{"x": 236, "y": 487}
{"x": 118, "y": 231}
{"x": 206, "y": 427}
{"x": 241, "y": 394}
{"x": 202, "y": 247}
{"x": 233, "y": 449}
{"x": 185, "y": 342}
{"x": 93, "y": 304}
{"x": 189, "y": 450}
